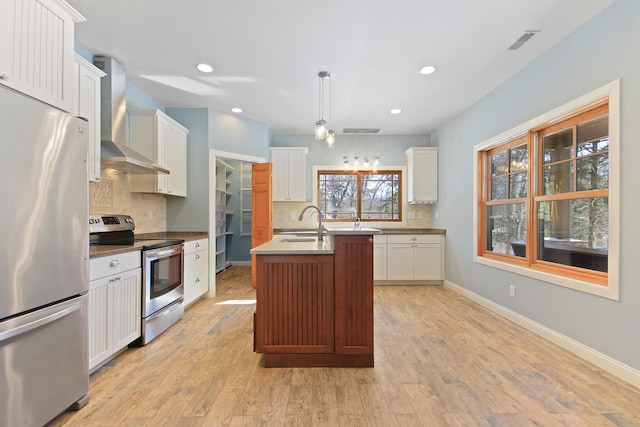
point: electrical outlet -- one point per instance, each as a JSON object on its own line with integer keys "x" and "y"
{"x": 512, "y": 291}
{"x": 412, "y": 215}
{"x": 150, "y": 214}
{"x": 420, "y": 215}
{"x": 292, "y": 215}
{"x": 436, "y": 215}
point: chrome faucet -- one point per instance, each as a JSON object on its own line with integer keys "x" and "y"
{"x": 320, "y": 215}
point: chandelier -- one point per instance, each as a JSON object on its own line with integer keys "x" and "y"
{"x": 323, "y": 130}
{"x": 359, "y": 163}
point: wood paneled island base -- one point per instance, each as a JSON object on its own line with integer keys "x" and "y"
{"x": 315, "y": 310}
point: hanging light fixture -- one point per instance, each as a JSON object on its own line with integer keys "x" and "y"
{"x": 322, "y": 130}
{"x": 357, "y": 163}
{"x": 331, "y": 137}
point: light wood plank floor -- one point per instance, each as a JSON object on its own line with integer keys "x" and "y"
{"x": 441, "y": 360}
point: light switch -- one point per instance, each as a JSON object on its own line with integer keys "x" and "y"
{"x": 412, "y": 215}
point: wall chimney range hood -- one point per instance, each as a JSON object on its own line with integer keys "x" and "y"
{"x": 113, "y": 103}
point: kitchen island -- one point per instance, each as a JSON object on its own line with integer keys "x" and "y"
{"x": 315, "y": 300}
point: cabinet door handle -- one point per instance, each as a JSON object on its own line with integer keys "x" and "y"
{"x": 114, "y": 263}
{"x": 197, "y": 256}
{"x": 197, "y": 279}
{"x": 414, "y": 238}
{"x": 4, "y": 77}
{"x": 197, "y": 245}
{"x": 370, "y": 239}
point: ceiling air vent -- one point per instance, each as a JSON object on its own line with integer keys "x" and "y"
{"x": 526, "y": 36}
{"x": 360, "y": 130}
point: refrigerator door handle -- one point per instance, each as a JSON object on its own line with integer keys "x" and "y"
{"x": 37, "y": 323}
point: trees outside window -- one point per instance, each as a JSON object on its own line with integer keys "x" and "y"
{"x": 370, "y": 196}
{"x": 544, "y": 196}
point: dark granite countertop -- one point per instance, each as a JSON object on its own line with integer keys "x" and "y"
{"x": 96, "y": 251}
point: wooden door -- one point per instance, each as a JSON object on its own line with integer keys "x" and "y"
{"x": 261, "y": 208}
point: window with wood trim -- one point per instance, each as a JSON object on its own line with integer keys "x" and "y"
{"x": 370, "y": 196}
{"x": 544, "y": 197}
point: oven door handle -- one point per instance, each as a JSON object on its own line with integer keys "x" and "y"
{"x": 161, "y": 252}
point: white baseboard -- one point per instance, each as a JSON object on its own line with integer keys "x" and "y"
{"x": 609, "y": 364}
{"x": 241, "y": 263}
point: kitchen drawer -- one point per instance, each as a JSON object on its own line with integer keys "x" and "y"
{"x": 413, "y": 238}
{"x": 195, "y": 262}
{"x": 379, "y": 239}
{"x": 113, "y": 264}
{"x": 195, "y": 287}
{"x": 195, "y": 245}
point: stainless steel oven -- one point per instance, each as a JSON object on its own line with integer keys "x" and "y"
{"x": 162, "y": 270}
{"x": 162, "y": 287}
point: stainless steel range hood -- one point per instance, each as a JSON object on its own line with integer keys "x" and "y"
{"x": 113, "y": 102}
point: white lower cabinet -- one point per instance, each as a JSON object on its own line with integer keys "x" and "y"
{"x": 379, "y": 257}
{"x": 196, "y": 269}
{"x": 115, "y": 304}
{"x": 411, "y": 257}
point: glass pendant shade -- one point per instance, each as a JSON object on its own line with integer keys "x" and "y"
{"x": 321, "y": 130}
{"x": 331, "y": 137}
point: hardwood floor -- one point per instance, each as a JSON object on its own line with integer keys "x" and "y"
{"x": 441, "y": 360}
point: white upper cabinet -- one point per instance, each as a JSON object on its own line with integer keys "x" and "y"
{"x": 422, "y": 168}
{"x": 160, "y": 138}
{"x": 289, "y": 174}
{"x": 36, "y": 53}
{"x": 87, "y": 105}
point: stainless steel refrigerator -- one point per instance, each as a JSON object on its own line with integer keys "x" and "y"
{"x": 44, "y": 251}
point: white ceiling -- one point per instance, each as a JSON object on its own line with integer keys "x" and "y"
{"x": 266, "y": 54}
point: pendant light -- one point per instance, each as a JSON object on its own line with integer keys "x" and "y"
{"x": 358, "y": 162}
{"x": 322, "y": 130}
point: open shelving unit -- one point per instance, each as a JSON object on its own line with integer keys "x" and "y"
{"x": 223, "y": 216}
{"x": 245, "y": 199}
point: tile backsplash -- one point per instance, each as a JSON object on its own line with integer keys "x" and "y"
{"x": 283, "y": 211}
{"x": 112, "y": 196}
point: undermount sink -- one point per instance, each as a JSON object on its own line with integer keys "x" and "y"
{"x": 297, "y": 239}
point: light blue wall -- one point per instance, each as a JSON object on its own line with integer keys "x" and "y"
{"x": 209, "y": 129}
{"x": 604, "y": 49}
{"x": 192, "y": 213}
{"x": 390, "y": 148}
{"x": 236, "y": 134}
{"x": 138, "y": 99}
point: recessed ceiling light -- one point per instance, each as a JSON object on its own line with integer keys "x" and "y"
{"x": 205, "y": 68}
{"x": 427, "y": 70}
{"x": 236, "y": 110}
{"x": 396, "y": 111}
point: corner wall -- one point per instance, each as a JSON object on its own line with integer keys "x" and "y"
{"x": 604, "y": 49}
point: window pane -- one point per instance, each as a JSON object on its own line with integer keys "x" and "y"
{"x": 519, "y": 159}
{"x": 499, "y": 188}
{"x": 574, "y": 232}
{"x": 518, "y": 185}
{"x": 338, "y": 195}
{"x": 593, "y": 136}
{"x": 593, "y": 172}
{"x": 558, "y": 146}
{"x": 379, "y": 200}
{"x": 557, "y": 178}
{"x": 499, "y": 163}
{"x": 507, "y": 229}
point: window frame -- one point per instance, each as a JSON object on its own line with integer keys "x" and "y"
{"x": 359, "y": 174}
{"x": 381, "y": 169}
{"x": 557, "y": 274}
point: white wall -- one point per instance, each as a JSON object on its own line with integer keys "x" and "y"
{"x": 604, "y": 49}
